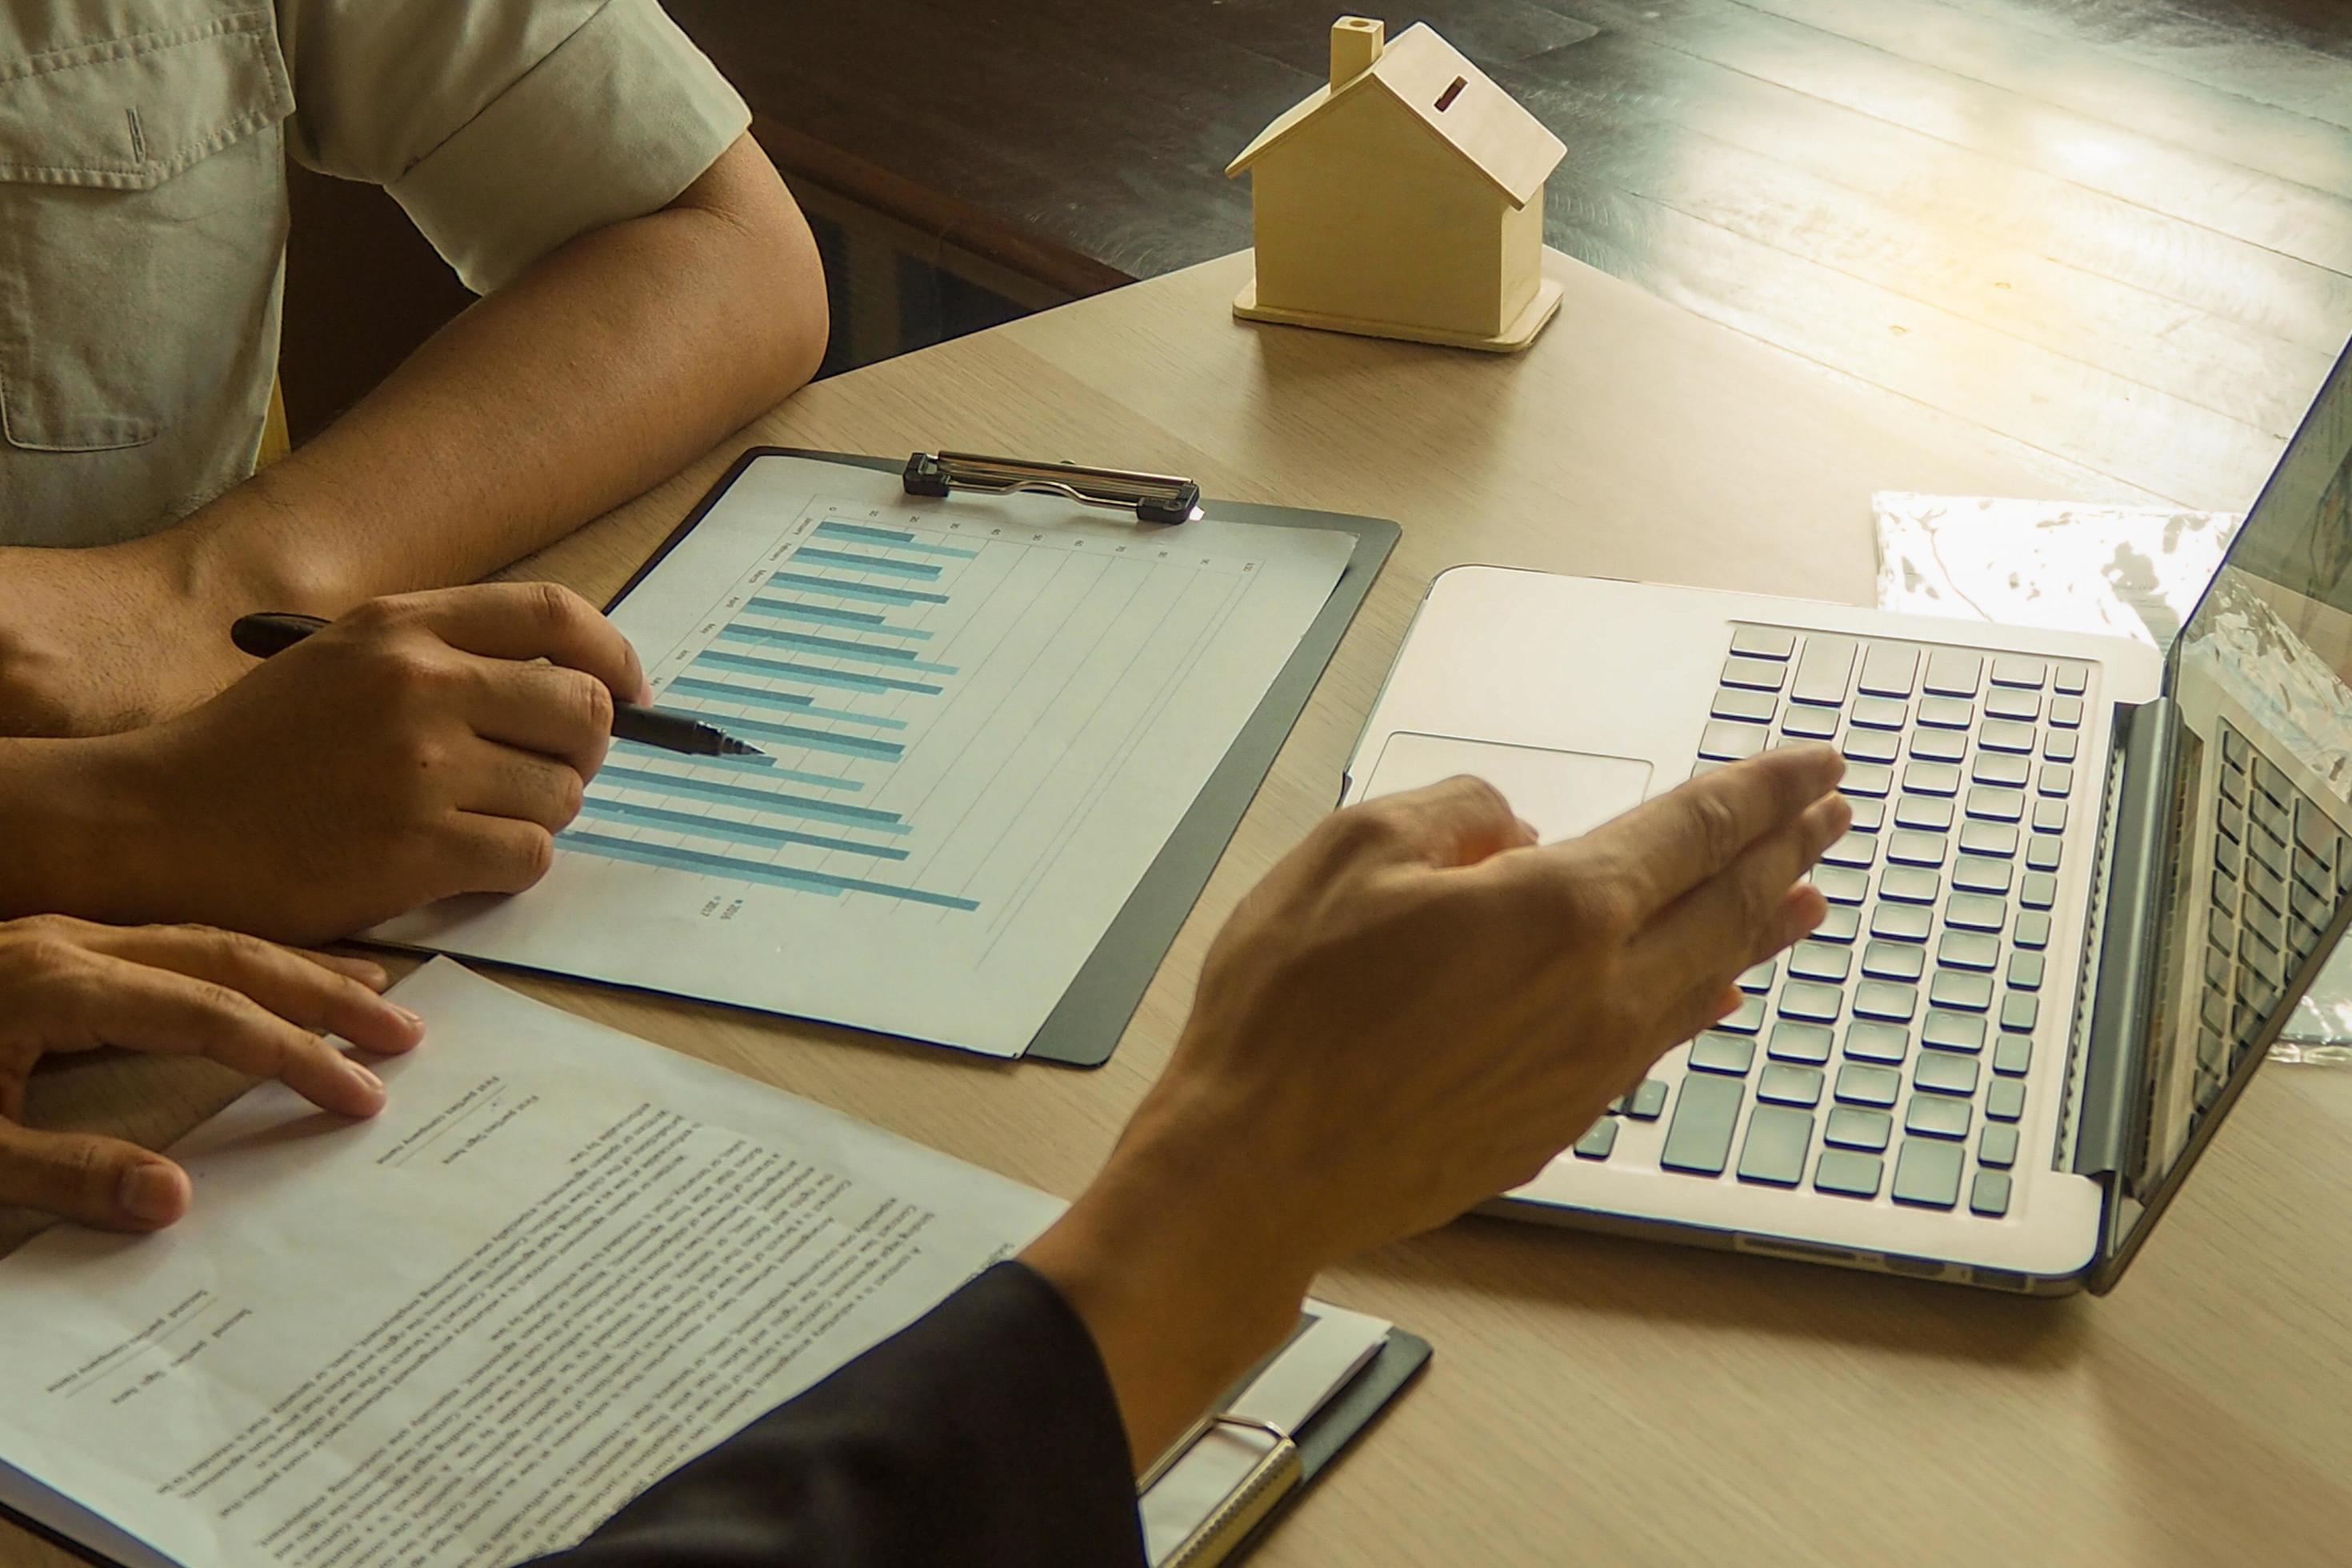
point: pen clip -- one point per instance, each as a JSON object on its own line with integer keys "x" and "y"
{"x": 1153, "y": 498}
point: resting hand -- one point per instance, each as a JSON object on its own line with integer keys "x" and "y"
{"x": 68, "y": 986}
{"x": 420, "y": 747}
{"x": 1415, "y": 1011}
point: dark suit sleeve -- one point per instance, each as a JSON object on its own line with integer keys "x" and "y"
{"x": 986, "y": 1433}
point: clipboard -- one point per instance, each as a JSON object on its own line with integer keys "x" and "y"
{"x": 1084, "y": 1027}
{"x": 1297, "y": 1460}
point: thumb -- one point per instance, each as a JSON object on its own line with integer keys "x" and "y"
{"x": 100, "y": 1181}
{"x": 1456, "y": 822}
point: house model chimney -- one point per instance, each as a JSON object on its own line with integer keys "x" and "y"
{"x": 1355, "y": 44}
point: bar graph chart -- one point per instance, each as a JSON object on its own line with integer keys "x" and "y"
{"x": 980, "y": 718}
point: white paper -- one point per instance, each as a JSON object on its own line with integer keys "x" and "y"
{"x": 2121, "y": 571}
{"x": 560, "y": 1263}
{"x": 957, "y": 826}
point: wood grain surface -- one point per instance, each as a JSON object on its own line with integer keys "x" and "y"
{"x": 1593, "y": 1400}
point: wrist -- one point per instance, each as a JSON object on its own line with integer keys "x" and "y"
{"x": 86, "y": 828}
{"x": 248, "y": 551}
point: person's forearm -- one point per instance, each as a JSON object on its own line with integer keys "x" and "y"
{"x": 74, "y": 827}
{"x": 1171, "y": 1262}
{"x": 603, "y": 370}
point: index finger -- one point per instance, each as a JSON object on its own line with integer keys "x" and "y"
{"x": 1665, "y": 848}
{"x": 525, "y": 621}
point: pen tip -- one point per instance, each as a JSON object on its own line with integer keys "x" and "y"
{"x": 735, "y": 748}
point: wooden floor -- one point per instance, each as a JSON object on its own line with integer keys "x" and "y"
{"x": 2118, "y": 233}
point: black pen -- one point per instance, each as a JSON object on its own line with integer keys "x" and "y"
{"x": 275, "y": 631}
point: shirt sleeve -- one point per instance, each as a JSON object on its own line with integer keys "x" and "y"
{"x": 987, "y": 1433}
{"x": 506, "y": 127}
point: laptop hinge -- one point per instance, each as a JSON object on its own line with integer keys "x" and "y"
{"x": 2115, "y": 1049}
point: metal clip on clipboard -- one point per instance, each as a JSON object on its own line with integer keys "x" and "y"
{"x": 1153, "y": 498}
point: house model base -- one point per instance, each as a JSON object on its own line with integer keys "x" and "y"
{"x": 1510, "y": 339}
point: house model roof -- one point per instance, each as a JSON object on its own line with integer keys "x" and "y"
{"x": 1491, "y": 130}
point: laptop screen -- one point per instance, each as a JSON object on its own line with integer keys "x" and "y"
{"x": 2275, "y": 626}
{"x": 2260, "y": 841}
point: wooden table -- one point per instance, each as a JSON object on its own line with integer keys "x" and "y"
{"x": 1593, "y": 1400}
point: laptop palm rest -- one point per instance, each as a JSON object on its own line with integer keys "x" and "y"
{"x": 1562, "y": 794}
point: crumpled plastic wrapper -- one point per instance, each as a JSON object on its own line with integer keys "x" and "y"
{"x": 2134, "y": 573}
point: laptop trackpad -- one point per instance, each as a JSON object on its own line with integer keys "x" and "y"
{"x": 1563, "y": 793}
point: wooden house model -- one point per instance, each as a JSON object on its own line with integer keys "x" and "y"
{"x": 1403, "y": 200}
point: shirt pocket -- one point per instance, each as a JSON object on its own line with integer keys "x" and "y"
{"x": 143, "y": 221}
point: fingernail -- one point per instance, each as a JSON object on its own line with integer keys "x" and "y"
{"x": 360, "y": 1075}
{"x": 150, "y": 1193}
{"x": 407, "y": 1017}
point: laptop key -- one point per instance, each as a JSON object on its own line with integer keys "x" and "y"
{"x": 2043, "y": 854}
{"x": 1841, "y": 884}
{"x": 1926, "y": 812}
{"x": 1947, "y": 712}
{"x": 1778, "y": 1139}
{"x": 1763, "y": 642}
{"x": 1975, "y": 911}
{"x": 1753, "y": 707}
{"x": 1988, "y": 1194}
{"x": 2003, "y": 769}
{"x": 1729, "y": 741}
{"x": 1598, "y": 1140}
{"x": 2061, "y": 745}
{"x": 1648, "y": 1100}
{"x": 1885, "y": 1001}
{"x": 1998, "y": 1146}
{"x": 1989, "y": 804}
{"x": 1910, "y": 884}
{"x": 1819, "y": 961}
{"x": 1848, "y": 1174}
{"x": 1889, "y": 670}
{"x": 1808, "y": 1044}
{"x": 1698, "y": 1139}
{"x": 1852, "y": 1127}
{"x": 2057, "y": 780}
{"x": 1939, "y": 745}
{"x": 2032, "y": 930}
{"x": 1784, "y": 1084}
{"x": 1876, "y": 1042}
{"x": 1859, "y": 1084}
{"x": 1843, "y": 924}
{"x": 1720, "y": 1053}
{"x": 2025, "y": 971}
{"x": 1867, "y": 778}
{"x": 2066, "y": 712}
{"x": 1980, "y": 874}
{"x": 2012, "y": 669}
{"x": 1757, "y": 979}
{"x": 1824, "y": 670}
{"x": 1931, "y": 778}
{"x": 2073, "y": 678}
{"x": 1989, "y": 838}
{"x": 1961, "y": 988}
{"x": 1755, "y": 674}
{"x": 1854, "y": 849}
{"x": 2018, "y": 1010}
{"x": 1953, "y": 1031}
{"x": 2037, "y": 889}
{"x": 1968, "y": 949}
{"x": 1810, "y": 1003}
{"x": 1880, "y": 712}
{"x": 1869, "y": 816}
{"x": 1871, "y": 746}
{"x": 1937, "y": 1116}
{"x": 1941, "y": 1072}
{"x": 1927, "y": 1173}
{"x": 1809, "y": 723}
{"x": 1908, "y": 847}
{"x": 1893, "y": 960}
{"x": 1954, "y": 672}
{"x": 2011, "y": 1055}
{"x": 2005, "y": 1100}
{"x": 2004, "y": 702}
{"x": 2006, "y": 735}
{"x": 1902, "y": 922}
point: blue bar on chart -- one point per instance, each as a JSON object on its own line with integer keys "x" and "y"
{"x": 744, "y": 870}
{"x": 808, "y": 553}
{"x": 889, "y": 539}
{"x": 846, "y": 589}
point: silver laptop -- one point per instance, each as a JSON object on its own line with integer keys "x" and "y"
{"x": 2084, "y": 886}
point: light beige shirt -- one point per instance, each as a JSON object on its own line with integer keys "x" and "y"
{"x": 142, "y": 202}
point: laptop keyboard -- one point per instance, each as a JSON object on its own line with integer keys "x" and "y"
{"x": 2280, "y": 866}
{"x": 1889, "y": 1051}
